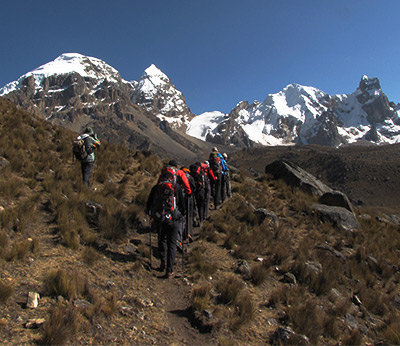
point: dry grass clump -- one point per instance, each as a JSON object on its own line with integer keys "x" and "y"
{"x": 61, "y": 326}
{"x": 200, "y": 265}
{"x": 6, "y": 291}
{"x": 229, "y": 288}
{"x": 90, "y": 256}
{"x": 258, "y": 273}
{"x": 200, "y": 297}
{"x": 243, "y": 311}
{"x": 70, "y": 285}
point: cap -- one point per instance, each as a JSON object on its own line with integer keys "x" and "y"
{"x": 173, "y": 163}
{"x": 89, "y": 131}
{"x": 215, "y": 149}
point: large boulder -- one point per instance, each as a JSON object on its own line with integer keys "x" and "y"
{"x": 336, "y": 199}
{"x": 295, "y": 176}
{"x": 338, "y": 216}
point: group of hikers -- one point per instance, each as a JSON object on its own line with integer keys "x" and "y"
{"x": 181, "y": 200}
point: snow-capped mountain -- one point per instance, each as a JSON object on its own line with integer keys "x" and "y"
{"x": 306, "y": 115}
{"x": 157, "y": 94}
{"x": 76, "y": 90}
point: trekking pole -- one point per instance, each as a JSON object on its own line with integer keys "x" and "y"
{"x": 183, "y": 253}
{"x": 150, "y": 241}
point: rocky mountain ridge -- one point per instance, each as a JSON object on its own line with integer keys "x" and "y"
{"x": 300, "y": 115}
{"x": 75, "y": 90}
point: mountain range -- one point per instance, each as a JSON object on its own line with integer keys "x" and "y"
{"x": 75, "y": 91}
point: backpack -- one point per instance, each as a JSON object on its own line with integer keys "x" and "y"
{"x": 79, "y": 149}
{"x": 199, "y": 176}
{"x": 215, "y": 164}
{"x": 164, "y": 206}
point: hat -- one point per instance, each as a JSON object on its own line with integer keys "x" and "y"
{"x": 89, "y": 131}
{"x": 215, "y": 149}
{"x": 173, "y": 163}
{"x": 225, "y": 156}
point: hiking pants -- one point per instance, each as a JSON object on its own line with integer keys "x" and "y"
{"x": 217, "y": 191}
{"x": 167, "y": 238}
{"x": 225, "y": 187}
{"x": 201, "y": 202}
{"x": 87, "y": 168}
{"x": 189, "y": 217}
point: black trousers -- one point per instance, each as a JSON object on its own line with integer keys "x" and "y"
{"x": 87, "y": 168}
{"x": 167, "y": 238}
{"x": 201, "y": 203}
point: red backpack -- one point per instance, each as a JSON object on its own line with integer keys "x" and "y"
{"x": 164, "y": 206}
{"x": 215, "y": 164}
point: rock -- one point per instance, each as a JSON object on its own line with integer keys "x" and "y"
{"x": 4, "y": 162}
{"x": 34, "y": 323}
{"x": 264, "y": 214}
{"x": 289, "y": 278}
{"x": 336, "y": 199}
{"x": 295, "y": 176}
{"x": 33, "y": 300}
{"x": 338, "y": 216}
{"x": 81, "y": 303}
{"x": 312, "y": 269}
{"x": 286, "y": 336}
{"x": 93, "y": 211}
{"x": 244, "y": 269}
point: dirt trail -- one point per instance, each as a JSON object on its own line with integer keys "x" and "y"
{"x": 176, "y": 292}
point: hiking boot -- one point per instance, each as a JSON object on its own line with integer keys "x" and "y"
{"x": 168, "y": 275}
{"x": 161, "y": 268}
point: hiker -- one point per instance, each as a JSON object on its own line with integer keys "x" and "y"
{"x": 202, "y": 184}
{"x": 189, "y": 200}
{"x": 166, "y": 206}
{"x": 205, "y": 166}
{"x": 225, "y": 181}
{"x": 216, "y": 167}
{"x": 91, "y": 142}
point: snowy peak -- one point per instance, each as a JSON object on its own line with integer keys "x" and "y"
{"x": 157, "y": 94}
{"x": 67, "y": 64}
{"x": 306, "y": 115}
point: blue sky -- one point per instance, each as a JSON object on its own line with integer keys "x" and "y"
{"x": 217, "y": 52}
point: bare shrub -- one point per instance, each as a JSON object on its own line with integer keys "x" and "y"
{"x": 258, "y": 273}
{"x": 70, "y": 285}
{"x": 229, "y": 288}
{"x": 200, "y": 297}
{"x": 6, "y": 290}
{"x": 90, "y": 256}
{"x": 244, "y": 310}
{"x": 112, "y": 224}
{"x": 18, "y": 250}
{"x": 62, "y": 325}
{"x": 199, "y": 264}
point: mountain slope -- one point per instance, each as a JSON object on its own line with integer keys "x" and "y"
{"x": 75, "y": 91}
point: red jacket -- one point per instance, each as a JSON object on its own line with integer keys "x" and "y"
{"x": 208, "y": 171}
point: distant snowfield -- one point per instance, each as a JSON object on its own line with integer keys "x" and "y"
{"x": 205, "y": 123}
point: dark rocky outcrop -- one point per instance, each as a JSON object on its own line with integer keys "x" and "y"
{"x": 295, "y": 176}
{"x": 338, "y": 216}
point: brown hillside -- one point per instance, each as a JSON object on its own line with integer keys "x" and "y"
{"x": 263, "y": 269}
